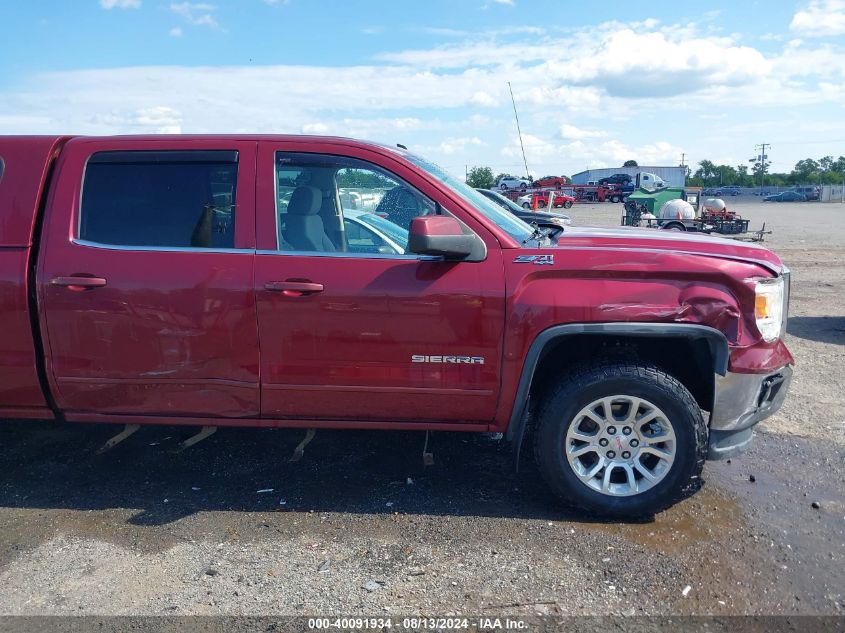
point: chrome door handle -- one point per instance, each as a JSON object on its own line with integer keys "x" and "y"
{"x": 79, "y": 283}
{"x": 294, "y": 288}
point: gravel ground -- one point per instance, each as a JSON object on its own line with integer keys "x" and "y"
{"x": 359, "y": 526}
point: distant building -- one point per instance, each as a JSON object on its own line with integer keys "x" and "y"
{"x": 674, "y": 176}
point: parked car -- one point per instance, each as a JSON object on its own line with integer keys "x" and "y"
{"x": 810, "y": 193}
{"x": 616, "y": 179}
{"x": 371, "y": 233}
{"x": 509, "y": 182}
{"x": 786, "y": 196}
{"x": 174, "y": 280}
{"x": 728, "y": 191}
{"x": 526, "y": 215}
{"x": 561, "y": 201}
{"x": 557, "y": 182}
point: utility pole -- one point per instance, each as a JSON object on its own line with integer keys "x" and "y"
{"x": 518, "y": 131}
{"x": 762, "y": 158}
{"x": 683, "y": 165}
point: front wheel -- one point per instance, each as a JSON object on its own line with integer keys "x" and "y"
{"x": 526, "y": 205}
{"x": 621, "y": 439}
{"x": 567, "y": 204}
{"x": 503, "y": 187}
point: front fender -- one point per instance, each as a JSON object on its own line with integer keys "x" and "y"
{"x": 716, "y": 342}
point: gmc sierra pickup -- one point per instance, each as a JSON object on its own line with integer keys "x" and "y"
{"x": 324, "y": 282}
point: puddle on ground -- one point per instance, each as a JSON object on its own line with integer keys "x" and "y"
{"x": 711, "y": 514}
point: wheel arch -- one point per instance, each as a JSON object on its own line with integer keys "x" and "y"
{"x": 708, "y": 346}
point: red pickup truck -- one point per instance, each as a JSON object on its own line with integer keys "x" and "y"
{"x": 220, "y": 281}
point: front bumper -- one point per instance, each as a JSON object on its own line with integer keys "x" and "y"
{"x": 740, "y": 402}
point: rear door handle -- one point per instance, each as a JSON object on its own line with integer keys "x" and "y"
{"x": 294, "y": 288}
{"x": 79, "y": 283}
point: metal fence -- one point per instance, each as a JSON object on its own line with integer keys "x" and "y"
{"x": 827, "y": 193}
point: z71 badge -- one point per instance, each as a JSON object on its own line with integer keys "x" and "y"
{"x": 537, "y": 260}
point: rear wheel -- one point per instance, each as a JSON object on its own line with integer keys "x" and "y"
{"x": 567, "y": 204}
{"x": 621, "y": 439}
{"x": 526, "y": 205}
{"x": 541, "y": 204}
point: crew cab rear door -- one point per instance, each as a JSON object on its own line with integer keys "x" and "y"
{"x": 352, "y": 326}
{"x": 145, "y": 278}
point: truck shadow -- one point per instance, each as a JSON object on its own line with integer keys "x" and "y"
{"x": 54, "y": 466}
{"x": 825, "y": 329}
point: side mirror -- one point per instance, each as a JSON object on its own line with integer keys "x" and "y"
{"x": 440, "y": 235}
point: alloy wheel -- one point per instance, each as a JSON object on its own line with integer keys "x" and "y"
{"x": 620, "y": 445}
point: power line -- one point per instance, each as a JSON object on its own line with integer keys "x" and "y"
{"x": 518, "y": 131}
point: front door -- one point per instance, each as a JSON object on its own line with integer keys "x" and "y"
{"x": 145, "y": 278}
{"x": 352, "y": 326}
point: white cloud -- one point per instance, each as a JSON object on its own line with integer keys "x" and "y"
{"x": 176, "y": 31}
{"x": 315, "y": 128}
{"x": 120, "y": 4}
{"x": 509, "y": 3}
{"x": 453, "y": 145}
{"x": 482, "y": 98}
{"x": 196, "y": 13}
{"x": 635, "y": 60}
{"x": 540, "y": 151}
{"x": 571, "y": 132}
{"x": 820, "y": 18}
{"x": 162, "y": 119}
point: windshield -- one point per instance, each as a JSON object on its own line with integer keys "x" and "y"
{"x": 509, "y": 223}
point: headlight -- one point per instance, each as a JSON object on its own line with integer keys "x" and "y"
{"x": 768, "y": 307}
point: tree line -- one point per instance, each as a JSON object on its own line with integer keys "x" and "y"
{"x": 809, "y": 171}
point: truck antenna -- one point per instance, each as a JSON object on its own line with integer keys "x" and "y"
{"x": 518, "y": 131}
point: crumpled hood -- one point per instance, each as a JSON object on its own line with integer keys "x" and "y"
{"x": 675, "y": 241}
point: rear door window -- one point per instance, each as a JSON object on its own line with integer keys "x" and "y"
{"x": 181, "y": 199}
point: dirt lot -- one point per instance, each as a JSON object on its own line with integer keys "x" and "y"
{"x": 231, "y": 527}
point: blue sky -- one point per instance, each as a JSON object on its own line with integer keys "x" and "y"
{"x": 594, "y": 87}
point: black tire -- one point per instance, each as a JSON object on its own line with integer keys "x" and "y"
{"x": 523, "y": 187}
{"x": 526, "y": 205}
{"x": 614, "y": 199}
{"x": 567, "y": 204}
{"x": 674, "y": 226}
{"x": 585, "y": 384}
{"x": 503, "y": 187}
{"x": 541, "y": 205}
